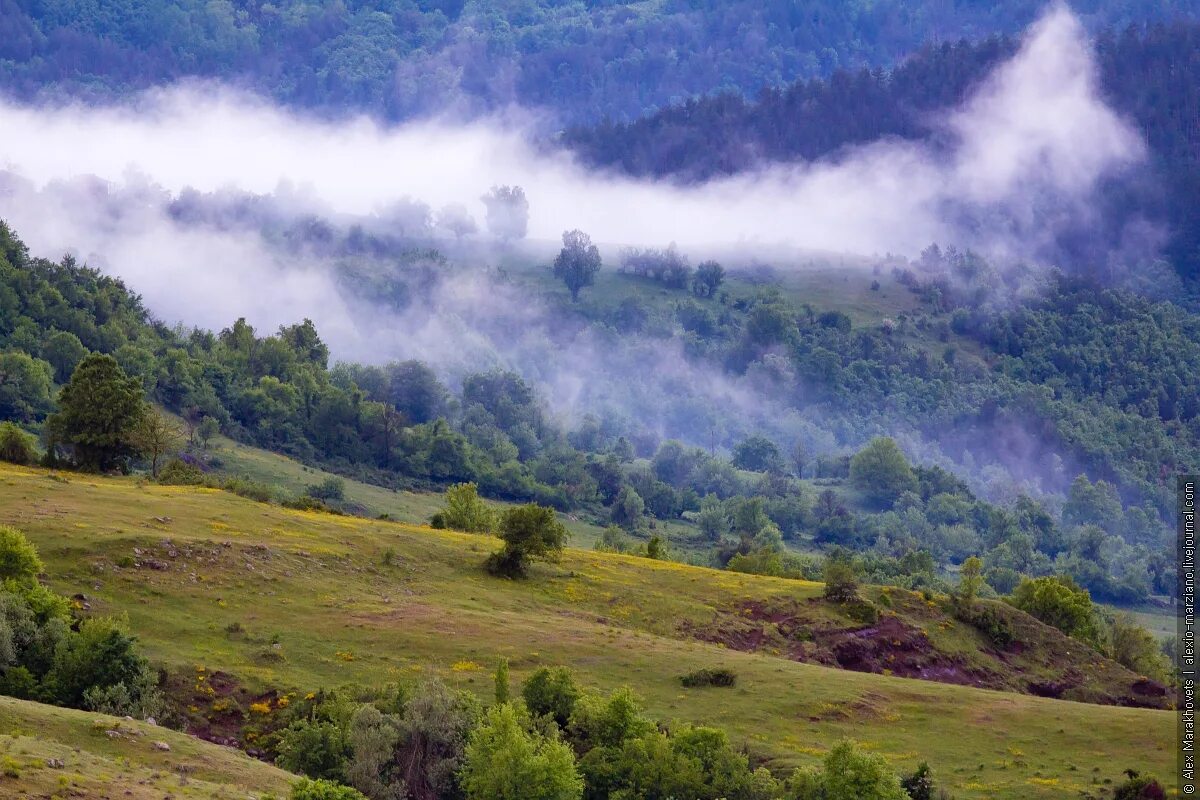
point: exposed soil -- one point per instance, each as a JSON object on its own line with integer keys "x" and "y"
{"x": 216, "y": 706}
{"x": 1041, "y": 661}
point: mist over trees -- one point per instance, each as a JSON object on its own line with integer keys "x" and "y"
{"x": 400, "y": 424}
{"x": 810, "y": 119}
{"x": 577, "y": 263}
{"x": 507, "y": 212}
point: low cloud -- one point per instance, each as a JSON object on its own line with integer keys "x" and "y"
{"x": 1035, "y": 136}
{"x": 1018, "y": 163}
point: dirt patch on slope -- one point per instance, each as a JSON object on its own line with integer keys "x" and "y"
{"x": 1040, "y": 661}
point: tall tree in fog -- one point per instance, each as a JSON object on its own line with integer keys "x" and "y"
{"x": 454, "y": 218}
{"x": 578, "y": 262}
{"x": 507, "y": 212}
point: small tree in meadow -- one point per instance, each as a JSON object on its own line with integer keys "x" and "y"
{"x": 970, "y": 579}
{"x": 466, "y": 511}
{"x": 530, "y": 532}
{"x": 841, "y": 578}
{"x": 577, "y": 263}
{"x": 1059, "y": 601}
{"x": 19, "y": 560}
{"x": 157, "y": 437}
{"x": 551, "y": 692}
{"x": 207, "y": 430}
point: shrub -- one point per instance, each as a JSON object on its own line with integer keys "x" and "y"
{"x": 841, "y": 578}
{"x": 1060, "y": 602}
{"x": 330, "y": 489}
{"x": 989, "y": 621}
{"x": 551, "y": 692}
{"x": 529, "y": 532}
{"x": 709, "y": 677}
{"x": 19, "y": 560}
{"x": 1139, "y": 787}
{"x": 324, "y": 790}
{"x": 308, "y": 503}
{"x": 919, "y": 785}
{"x": 18, "y": 682}
{"x": 862, "y": 611}
{"x": 178, "y": 472}
{"x": 504, "y": 761}
{"x": 16, "y": 446}
{"x": 249, "y": 489}
{"x": 656, "y": 548}
{"x": 1135, "y": 648}
{"x": 847, "y": 774}
{"x": 465, "y": 511}
{"x": 314, "y": 748}
{"x": 100, "y": 657}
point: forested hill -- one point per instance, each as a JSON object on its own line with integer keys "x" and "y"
{"x": 394, "y": 58}
{"x": 1151, "y": 75}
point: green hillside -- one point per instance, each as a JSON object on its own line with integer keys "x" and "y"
{"x": 58, "y": 752}
{"x": 277, "y": 601}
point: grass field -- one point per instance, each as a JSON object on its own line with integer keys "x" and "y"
{"x": 416, "y": 508}
{"x": 57, "y": 752}
{"x": 299, "y": 600}
{"x": 293, "y": 478}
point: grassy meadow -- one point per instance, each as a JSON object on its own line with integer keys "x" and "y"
{"x": 287, "y": 600}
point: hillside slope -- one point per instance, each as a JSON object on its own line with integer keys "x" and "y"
{"x": 274, "y": 600}
{"x": 58, "y": 752}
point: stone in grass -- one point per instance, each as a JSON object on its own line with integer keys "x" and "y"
{"x": 162, "y": 746}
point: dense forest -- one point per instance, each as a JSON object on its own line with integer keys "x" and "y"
{"x": 396, "y": 58}
{"x": 1150, "y": 74}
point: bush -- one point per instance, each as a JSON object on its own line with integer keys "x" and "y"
{"x": 324, "y": 790}
{"x": 529, "y": 532}
{"x": 847, "y": 774}
{"x": 308, "y": 503}
{"x": 1139, "y": 787}
{"x": 551, "y": 692}
{"x": 465, "y": 511}
{"x": 90, "y": 663}
{"x": 331, "y": 489}
{"x": 243, "y": 487}
{"x": 841, "y": 578}
{"x": 313, "y": 748}
{"x": 1060, "y": 602}
{"x": 989, "y": 621}
{"x": 178, "y": 472}
{"x": 16, "y": 446}
{"x": 919, "y": 785}
{"x": 19, "y": 560}
{"x": 709, "y": 677}
{"x": 862, "y": 611}
{"x": 504, "y": 761}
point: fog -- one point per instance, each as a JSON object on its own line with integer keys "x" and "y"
{"x": 1036, "y": 133}
{"x": 1016, "y": 164}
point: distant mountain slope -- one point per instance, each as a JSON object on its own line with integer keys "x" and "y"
{"x": 580, "y": 60}
{"x": 1152, "y": 76}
